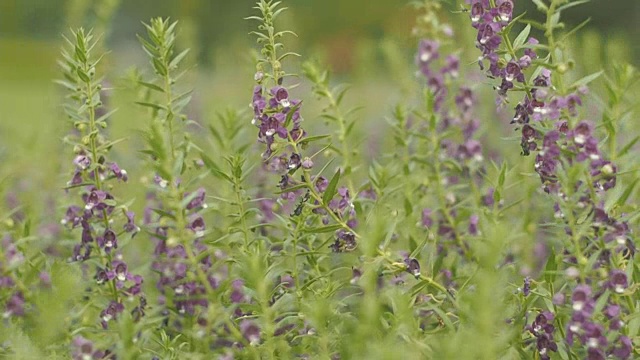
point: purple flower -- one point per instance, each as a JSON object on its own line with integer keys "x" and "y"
{"x": 120, "y": 174}
{"x": 428, "y": 51}
{"x": 130, "y": 226}
{"x": 542, "y": 328}
{"x": 427, "y": 220}
{"x": 250, "y": 331}
{"x": 82, "y": 349}
{"x": 95, "y": 199}
{"x": 197, "y": 225}
{"x": 198, "y": 200}
{"x": 581, "y": 298}
{"x": 526, "y": 288}
{"x": 108, "y": 240}
{"x": 618, "y": 281}
{"x": 473, "y": 225}
{"x": 624, "y": 348}
{"x": 413, "y": 266}
{"x": 15, "y": 305}
{"x": 111, "y": 313}
{"x": 82, "y": 162}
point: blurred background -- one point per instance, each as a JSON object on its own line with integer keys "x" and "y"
{"x": 366, "y": 43}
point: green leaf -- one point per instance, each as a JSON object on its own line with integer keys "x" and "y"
{"x": 215, "y": 170}
{"x": 628, "y": 147}
{"x": 551, "y": 269}
{"x": 151, "y": 86}
{"x": 323, "y": 229}
{"x": 83, "y": 76}
{"x": 522, "y": 37}
{"x": 292, "y": 188}
{"x": 627, "y": 193}
{"x": 151, "y": 105}
{"x": 587, "y": 79}
{"x": 310, "y": 139}
{"x": 331, "y": 189}
{"x": 541, "y": 5}
{"x": 176, "y": 60}
{"x": 571, "y": 4}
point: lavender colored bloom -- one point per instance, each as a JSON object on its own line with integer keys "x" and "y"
{"x": 237, "y": 294}
{"x": 473, "y": 225}
{"x": 505, "y": 10}
{"x": 581, "y": 298}
{"x": 82, "y": 349}
{"x": 345, "y": 241}
{"x": 95, "y": 199}
{"x": 307, "y": 163}
{"x": 428, "y": 51}
{"x": 197, "y": 225}
{"x": 120, "y": 174}
{"x": 111, "y": 313}
{"x": 198, "y": 201}
{"x": 427, "y": 220}
{"x": 623, "y": 348}
{"x": 526, "y": 288}
{"x": 15, "y": 305}
{"x": 130, "y": 226}
{"x": 250, "y": 331}
{"x": 413, "y": 267}
{"x": 558, "y": 299}
{"x": 356, "y": 274}
{"x": 542, "y": 328}
{"x": 82, "y": 161}
{"x": 108, "y": 240}
{"x": 618, "y": 281}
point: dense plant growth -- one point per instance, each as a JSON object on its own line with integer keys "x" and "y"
{"x": 267, "y": 233}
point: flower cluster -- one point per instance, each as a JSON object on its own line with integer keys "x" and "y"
{"x": 10, "y": 260}
{"x": 83, "y": 349}
{"x": 461, "y": 117}
{"x": 99, "y": 213}
{"x": 591, "y": 332}
{"x": 566, "y": 144}
{"x": 278, "y": 116}
{"x": 542, "y": 328}
{"x": 172, "y": 260}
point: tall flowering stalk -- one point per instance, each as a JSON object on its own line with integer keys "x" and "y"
{"x": 175, "y": 214}
{"x": 576, "y": 173}
{"x": 279, "y": 123}
{"x": 103, "y": 222}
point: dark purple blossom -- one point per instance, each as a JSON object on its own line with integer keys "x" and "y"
{"x": 83, "y": 349}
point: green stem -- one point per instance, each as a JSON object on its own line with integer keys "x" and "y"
{"x": 93, "y": 133}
